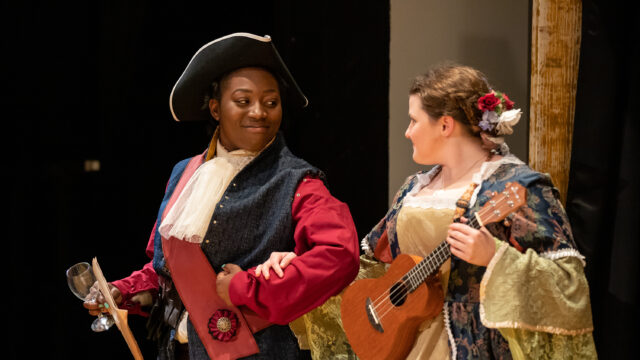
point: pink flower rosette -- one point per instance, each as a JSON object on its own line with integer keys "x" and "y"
{"x": 223, "y": 325}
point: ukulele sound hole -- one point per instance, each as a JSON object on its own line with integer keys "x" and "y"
{"x": 398, "y": 293}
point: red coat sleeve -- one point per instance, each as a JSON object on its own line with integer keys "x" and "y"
{"x": 328, "y": 259}
{"x": 140, "y": 280}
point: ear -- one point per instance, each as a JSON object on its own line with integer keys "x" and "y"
{"x": 447, "y": 125}
{"x": 214, "y": 109}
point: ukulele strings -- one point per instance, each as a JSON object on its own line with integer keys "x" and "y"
{"x": 392, "y": 295}
{"x": 386, "y": 307}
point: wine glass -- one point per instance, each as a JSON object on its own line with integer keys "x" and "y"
{"x": 80, "y": 279}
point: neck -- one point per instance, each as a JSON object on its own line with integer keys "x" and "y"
{"x": 463, "y": 160}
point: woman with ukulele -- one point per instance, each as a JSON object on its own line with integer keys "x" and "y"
{"x": 513, "y": 289}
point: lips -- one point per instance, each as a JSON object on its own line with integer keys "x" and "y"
{"x": 256, "y": 128}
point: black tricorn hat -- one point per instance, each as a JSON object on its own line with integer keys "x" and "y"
{"x": 221, "y": 56}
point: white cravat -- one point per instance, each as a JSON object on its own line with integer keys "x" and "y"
{"x": 189, "y": 217}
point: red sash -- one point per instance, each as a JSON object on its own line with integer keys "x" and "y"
{"x": 195, "y": 281}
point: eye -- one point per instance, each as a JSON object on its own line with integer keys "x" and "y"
{"x": 242, "y": 101}
{"x": 271, "y": 103}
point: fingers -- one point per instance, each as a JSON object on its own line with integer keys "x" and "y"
{"x": 461, "y": 254}
{"x": 95, "y": 308}
{"x": 463, "y": 228}
{"x": 453, "y": 242}
{"x": 287, "y": 259}
{"x": 459, "y": 236}
{"x": 265, "y": 269}
{"x": 460, "y": 245}
{"x": 456, "y": 247}
{"x": 277, "y": 262}
{"x": 92, "y": 307}
{"x": 258, "y": 270}
{"x": 95, "y": 302}
{"x": 275, "y": 265}
{"x": 272, "y": 263}
{"x": 115, "y": 294}
{"x": 231, "y": 268}
{"x": 471, "y": 245}
{"x": 222, "y": 284}
{"x": 459, "y": 241}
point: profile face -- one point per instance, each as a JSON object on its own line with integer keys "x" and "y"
{"x": 424, "y": 133}
{"x": 249, "y": 111}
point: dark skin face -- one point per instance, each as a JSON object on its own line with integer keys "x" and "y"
{"x": 249, "y": 111}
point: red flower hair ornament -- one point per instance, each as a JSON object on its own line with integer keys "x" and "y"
{"x": 223, "y": 325}
{"x": 498, "y": 113}
{"x": 488, "y": 102}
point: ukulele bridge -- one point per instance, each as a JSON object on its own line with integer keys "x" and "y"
{"x": 372, "y": 315}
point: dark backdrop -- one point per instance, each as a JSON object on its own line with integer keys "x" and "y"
{"x": 91, "y": 81}
{"x": 602, "y": 200}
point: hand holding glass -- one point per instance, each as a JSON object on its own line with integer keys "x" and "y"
{"x": 80, "y": 279}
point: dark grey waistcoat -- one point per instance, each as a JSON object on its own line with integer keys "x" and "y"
{"x": 252, "y": 219}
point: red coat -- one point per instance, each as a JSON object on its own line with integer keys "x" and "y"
{"x": 328, "y": 260}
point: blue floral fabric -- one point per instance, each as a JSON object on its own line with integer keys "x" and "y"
{"x": 541, "y": 224}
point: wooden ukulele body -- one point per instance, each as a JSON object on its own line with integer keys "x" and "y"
{"x": 394, "y": 335}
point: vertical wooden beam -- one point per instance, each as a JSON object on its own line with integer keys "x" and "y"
{"x": 555, "y": 53}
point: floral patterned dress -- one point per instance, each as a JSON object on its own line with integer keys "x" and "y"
{"x": 532, "y": 300}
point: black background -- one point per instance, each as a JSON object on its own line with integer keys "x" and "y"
{"x": 91, "y": 81}
{"x": 603, "y": 198}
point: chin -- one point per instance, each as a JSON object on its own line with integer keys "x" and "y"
{"x": 424, "y": 162}
{"x": 417, "y": 159}
{"x": 258, "y": 146}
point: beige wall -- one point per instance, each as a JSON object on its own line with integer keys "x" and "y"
{"x": 492, "y": 36}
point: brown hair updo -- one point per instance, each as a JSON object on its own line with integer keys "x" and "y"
{"x": 452, "y": 90}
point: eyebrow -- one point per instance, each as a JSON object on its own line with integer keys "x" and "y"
{"x": 250, "y": 91}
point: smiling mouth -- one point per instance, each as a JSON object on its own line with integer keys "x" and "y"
{"x": 256, "y": 128}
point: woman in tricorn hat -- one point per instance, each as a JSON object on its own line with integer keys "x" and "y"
{"x": 225, "y": 212}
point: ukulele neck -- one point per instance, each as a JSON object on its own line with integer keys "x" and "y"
{"x": 430, "y": 264}
{"x": 419, "y": 273}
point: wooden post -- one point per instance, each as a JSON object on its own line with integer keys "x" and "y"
{"x": 555, "y": 53}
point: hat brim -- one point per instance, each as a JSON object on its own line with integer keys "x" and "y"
{"x": 219, "y": 57}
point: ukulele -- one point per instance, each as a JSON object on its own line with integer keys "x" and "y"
{"x": 381, "y": 316}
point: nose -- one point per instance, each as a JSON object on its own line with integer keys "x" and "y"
{"x": 257, "y": 111}
{"x": 406, "y": 132}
